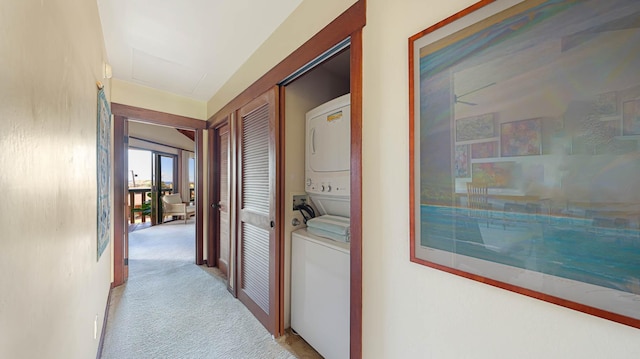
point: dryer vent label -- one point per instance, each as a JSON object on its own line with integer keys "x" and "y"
{"x": 334, "y": 116}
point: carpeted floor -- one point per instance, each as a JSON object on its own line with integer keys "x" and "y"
{"x": 172, "y": 308}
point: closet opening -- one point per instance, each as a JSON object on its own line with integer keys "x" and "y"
{"x": 315, "y": 136}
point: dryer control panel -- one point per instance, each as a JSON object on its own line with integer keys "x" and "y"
{"x": 338, "y": 186}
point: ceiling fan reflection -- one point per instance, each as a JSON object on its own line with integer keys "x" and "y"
{"x": 458, "y": 100}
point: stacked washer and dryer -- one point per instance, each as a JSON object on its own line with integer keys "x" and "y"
{"x": 320, "y": 253}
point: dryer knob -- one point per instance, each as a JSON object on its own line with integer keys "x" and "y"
{"x": 322, "y": 188}
{"x": 308, "y": 182}
{"x": 329, "y": 188}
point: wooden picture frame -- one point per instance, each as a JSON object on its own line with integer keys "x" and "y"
{"x": 550, "y": 226}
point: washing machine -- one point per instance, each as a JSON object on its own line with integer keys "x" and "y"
{"x": 320, "y": 293}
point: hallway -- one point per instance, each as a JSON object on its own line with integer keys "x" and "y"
{"x": 171, "y": 308}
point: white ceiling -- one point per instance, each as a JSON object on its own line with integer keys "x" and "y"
{"x": 186, "y": 47}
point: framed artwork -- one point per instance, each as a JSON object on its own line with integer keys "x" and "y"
{"x": 521, "y": 138}
{"x": 562, "y": 227}
{"x": 474, "y": 128}
{"x": 484, "y": 150}
{"x": 631, "y": 117}
{"x": 462, "y": 161}
{"x": 607, "y": 103}
{"x": 103, "y": 164}
{"x": 494, "y": 174}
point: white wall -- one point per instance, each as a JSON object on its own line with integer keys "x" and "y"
{"x": 131, "y": 94}
{"x": 53, "y": 286}
{"x": 411, "y": 311}
{"x": 160, "y": 134}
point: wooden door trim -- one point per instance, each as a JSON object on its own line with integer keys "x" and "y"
{"x": 119, "y": 195}
{"x": 157, "y": 117}
{"x": 281, "y": 199}
{"x": 356, "y": 196}
{"x": 122, "y": 114}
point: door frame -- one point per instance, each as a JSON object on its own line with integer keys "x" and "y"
{"x": 349, "y": 24}
{"x": 122, "y": 114}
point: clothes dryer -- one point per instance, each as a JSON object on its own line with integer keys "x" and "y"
{"x": 327, "y": 156}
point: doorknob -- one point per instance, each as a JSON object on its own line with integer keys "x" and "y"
{"x": 217, "y": 205}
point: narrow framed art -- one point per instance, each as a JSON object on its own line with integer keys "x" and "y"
{"x": 103, "y": 172}
{"x": 502, "y": 95}
{"x": 462, "y": 161}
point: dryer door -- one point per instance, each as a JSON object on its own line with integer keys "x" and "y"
{"x": 329, "y": 141}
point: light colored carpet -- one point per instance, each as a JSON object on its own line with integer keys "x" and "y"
{"x": 172, "y": 308}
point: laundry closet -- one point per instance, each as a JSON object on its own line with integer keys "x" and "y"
{"x": 317, "y": 204}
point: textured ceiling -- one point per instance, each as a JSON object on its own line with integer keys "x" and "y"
{"x": 186, "y": 47}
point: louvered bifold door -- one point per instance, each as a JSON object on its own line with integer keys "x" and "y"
{"x": 256, "y": 218}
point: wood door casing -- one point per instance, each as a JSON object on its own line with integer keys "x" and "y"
{"x": 257, "y": 248}
{"x": 122, "y": 114}
{"x": 120, "y": 210}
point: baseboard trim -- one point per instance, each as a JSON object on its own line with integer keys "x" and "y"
{"x": 104, "y": 323}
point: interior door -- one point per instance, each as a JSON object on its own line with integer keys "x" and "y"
{"x": 224, "y": 237}
{"x": 164, "y": 182}
{"x": 257, "y": 251}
